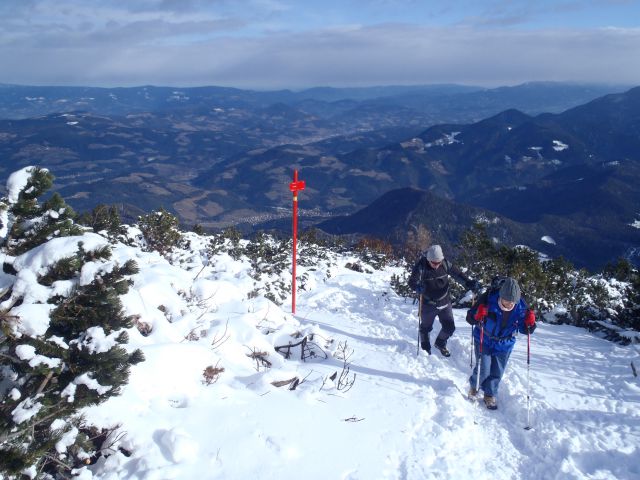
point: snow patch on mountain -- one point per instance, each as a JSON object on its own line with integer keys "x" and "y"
{"x": 559, "y": 146}
{"x": 447, "y": 139}
{"x": 482, "y": 218}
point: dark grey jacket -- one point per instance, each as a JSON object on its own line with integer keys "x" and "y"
{"x": 433, "y": 284}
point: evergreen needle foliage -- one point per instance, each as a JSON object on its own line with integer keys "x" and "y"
{"x": 103, "y": 218}
{"x": 45, "y": 379}
{"x": 160, "y": 230}
{"x": 607, "y": 302}
{"x": 31, "y": 223}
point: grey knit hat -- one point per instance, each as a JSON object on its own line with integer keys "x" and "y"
{"x": 510, "y": 290}
{"x": 434, "y": 254}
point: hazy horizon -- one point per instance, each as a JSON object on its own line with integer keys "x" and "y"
{"x": 275, "y": 44}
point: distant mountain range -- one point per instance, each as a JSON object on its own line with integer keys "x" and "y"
{"x": 574, "y": 176}
{"x": 220, "y": 156}
{"x": 428, "y": 104}
{"x": 399, "y": 212}
{"x": 588, "y": 241}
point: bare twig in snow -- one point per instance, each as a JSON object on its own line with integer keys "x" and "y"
{"x": 353, "y": 419}
{"x": 260, "y": 358}
{"x": 212, "y": 373}
{"x": 345, "y": 382}
{"x": 218, "y": 340}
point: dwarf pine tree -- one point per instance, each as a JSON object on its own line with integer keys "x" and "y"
{"x": 233, "y": 236}
{"x": 103, "y": 218}
{"x": 478, "y": 253}
{"x": 30, "y": 223}
{"x": 160, "y": 230}
{"x": 269, "y": 258}
{"x": 79, "y": 361}
{"x": 75, "y": 358}
{"x": 631, "y": 314}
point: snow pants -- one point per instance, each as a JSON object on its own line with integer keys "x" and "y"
{"x": 444, "y": 314}
{"x": 492, "y": 368}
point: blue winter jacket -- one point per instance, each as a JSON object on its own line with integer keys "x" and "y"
{"x": 499, "y": 333}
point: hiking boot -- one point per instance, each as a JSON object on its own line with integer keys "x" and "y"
{"x": 490, "y": 402}
{"x": 425, "y": 343}
{"x": 443, "y": 350}
{"x": 472, "y": 393}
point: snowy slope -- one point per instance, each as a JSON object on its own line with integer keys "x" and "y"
{"x": 405, "y": 416}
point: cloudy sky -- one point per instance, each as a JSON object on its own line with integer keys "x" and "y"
{"x": 302, "y": 43}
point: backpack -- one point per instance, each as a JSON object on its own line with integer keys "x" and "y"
{"x": 494, "y": 287}
{"x": 483, "y": 298}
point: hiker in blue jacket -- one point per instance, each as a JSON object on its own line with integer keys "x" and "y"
{"x": 430, "y": 279}
{"x": 496, "y": 317}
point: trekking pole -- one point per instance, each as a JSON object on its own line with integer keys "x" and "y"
{"x": 528, "y": 427}
{"x": 479, "y": 364}
{"x": 478, "y": 367}
{"x": 471, "y": 351}
{"x": 419, "y": 322}
{"x": 473, "y": 302}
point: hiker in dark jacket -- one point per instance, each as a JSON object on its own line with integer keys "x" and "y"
{"x": 496, "y": 317}
{"x": 430, "y": 279}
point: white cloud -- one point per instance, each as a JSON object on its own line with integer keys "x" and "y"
{"x": 175, "y": 43}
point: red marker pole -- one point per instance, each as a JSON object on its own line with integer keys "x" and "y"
{"x": 295, "y": 187}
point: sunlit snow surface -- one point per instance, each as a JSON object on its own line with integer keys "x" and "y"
{"x": 406, "y": 416}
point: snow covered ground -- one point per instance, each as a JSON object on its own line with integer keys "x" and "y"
{"x": 405, "y": 417}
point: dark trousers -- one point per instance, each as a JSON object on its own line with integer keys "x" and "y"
{"x": 445, "y": 314}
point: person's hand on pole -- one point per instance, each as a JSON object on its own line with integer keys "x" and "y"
{"x": 530, "y": 321}
{"x": 481, "y": 313}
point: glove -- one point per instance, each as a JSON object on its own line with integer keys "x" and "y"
{"x": 481, "y": 312}
{"x": 530, "y": 320}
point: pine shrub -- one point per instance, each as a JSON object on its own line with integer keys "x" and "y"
{"x": 79, "y": 361}
{"x": 269, "y": 259}
{"x": 313, "y": 247}
{"x": 103, "y": 218}
{"x": 30, "y": 223}
{"x": 400, "y": 284}
{"x": 82, "y": 362}
{"x": 160, "y": 231}
{"x": 233, "y": 236}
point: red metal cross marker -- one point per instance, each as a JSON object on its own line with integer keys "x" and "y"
{"x": 295, "y": 187}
